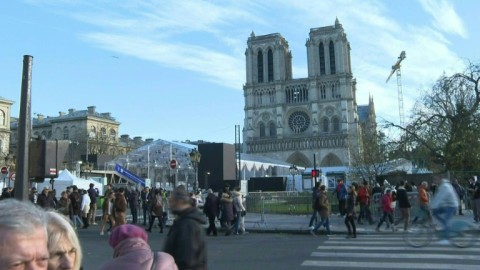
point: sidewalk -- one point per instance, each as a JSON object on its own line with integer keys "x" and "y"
{"x": 298, "y": 224}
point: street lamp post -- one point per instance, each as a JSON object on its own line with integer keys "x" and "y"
{"x": 293, "y": 172}
{"x": 195, "y": 157}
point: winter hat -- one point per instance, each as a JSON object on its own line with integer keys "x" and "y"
{"x": 126, "y": 231}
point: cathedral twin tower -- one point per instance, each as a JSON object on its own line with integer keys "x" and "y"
{"x": 293, "y": 119}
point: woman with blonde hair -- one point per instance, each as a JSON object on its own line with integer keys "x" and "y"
{"x": 63, "y": 244}
{"x": 350, "y": 212}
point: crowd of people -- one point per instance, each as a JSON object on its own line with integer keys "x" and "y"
{"x": 439, "y": 200}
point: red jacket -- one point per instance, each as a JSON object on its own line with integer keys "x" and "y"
{"x": 387, "y": 203}
{"x": 363, "y": 196}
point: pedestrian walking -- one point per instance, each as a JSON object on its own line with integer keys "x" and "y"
{"x": 350, "y": 212}
{"x": 211, "y": 211}
{"x": 387, "y": 210}
{"x": 93, "y": 194}
{"x": 423, "y": 212}
{"x": 460, "y": 193}
{"x": 227, "y": 210}
{"x": 404, "y": 205}
{"x": 85, "y": 208}
{"x": 341, "y": 193}
{"x": 186, "y": 239}
{"x": 239, "y": 209}
{"x": 363, "y": 197}
{"x": 323, "y": 208}
{"x": 156, "y": 211}
{"x": 144, "y": 195}
{"x": 313, "y": 218}
{"x": 120, "y": 207}
{"x": 76, "y": 203}
{"x": 133, "y": 204}
{"x": 108, "y": 212}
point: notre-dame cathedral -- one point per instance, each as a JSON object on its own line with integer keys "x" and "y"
{"x": 293, "y": 119}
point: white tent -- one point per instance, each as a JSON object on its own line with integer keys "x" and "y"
{"x": 66, "y": 179}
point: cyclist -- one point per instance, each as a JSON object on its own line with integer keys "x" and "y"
{"x": 445, "y": 202}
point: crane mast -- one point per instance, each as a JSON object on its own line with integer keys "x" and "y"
{"x": 396, "y": 68}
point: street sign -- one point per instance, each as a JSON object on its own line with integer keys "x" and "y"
{"x": 173, "y": 164}
{"x": 4, "y": 170}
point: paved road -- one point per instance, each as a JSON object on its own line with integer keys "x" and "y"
{"x": 283, "y": 242}
{"x": 388, "y": 251}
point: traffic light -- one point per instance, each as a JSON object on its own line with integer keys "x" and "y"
{"x": 315, "y": 173}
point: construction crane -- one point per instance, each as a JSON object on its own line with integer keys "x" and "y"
{"x": 396, "y": 68}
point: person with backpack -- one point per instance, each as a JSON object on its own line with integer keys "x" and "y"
{"x": 156, "y": 211}
{"x": 120, "y": 207}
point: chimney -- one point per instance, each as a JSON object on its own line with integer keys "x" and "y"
{"x": 91, "y": 109}
{"x": 39, "y": 117}
{"x": 61, "y": 114}
{"x": 70, "y": 111}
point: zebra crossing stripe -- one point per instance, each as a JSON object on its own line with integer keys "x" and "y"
{"x": 400, "y": 247}
{"x": 388, "y": 265}
{"x": 396, "y": 256}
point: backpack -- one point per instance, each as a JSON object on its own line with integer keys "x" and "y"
{"x": 157, "y": 208}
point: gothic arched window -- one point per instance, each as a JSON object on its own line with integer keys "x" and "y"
{"x": 262, "y": 130}
{"x": 270, "y": 65}
{"x": 331, "y": 50}
{"x": 325, "y": 125}
{"x": 260, "y": 66}
{"x": 65, "y": 133}
{"x": 321, "y": 54}
{"x": 336, "y": 124}
{"x": 273, "y": 130}
{"x": 3, "y": 119}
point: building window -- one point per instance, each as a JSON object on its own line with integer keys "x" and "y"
{"x": 336, "y": 124}
{"x": 260, "y": 66}
{"x": 113, "y": 135}
{"x": 296, "y": 93}
{"x": 323, "y": 92}
{"x": 65, "y": 133}
{"x": 3, "y": 118}
{"x": 321, "y": 53}
{"x": 325, "y": 125}
{"x": 103, "y": 132}
{"x": 331, "y": 50}
{"x": 58, "y": 133}
{"x": 93, "y": 131}
{"x": 270, "y": 65}
{"x": 262, "y": 130}
{"x": 273, "y": 130}
{"x": 259, "y": 95}
{"x": 299, "y": 122}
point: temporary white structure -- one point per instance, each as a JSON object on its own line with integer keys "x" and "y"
{"x": 65, "y": 179}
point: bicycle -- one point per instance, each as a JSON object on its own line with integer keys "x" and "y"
{"x": 461, "y": 234}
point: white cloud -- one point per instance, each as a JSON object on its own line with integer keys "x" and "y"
{"x": 445, "y": 18}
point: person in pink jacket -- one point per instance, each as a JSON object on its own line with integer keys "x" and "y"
{"x": 387, "y": 210}
{"x": 132, "y": 251}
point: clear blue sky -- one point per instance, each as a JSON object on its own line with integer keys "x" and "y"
{"x": 174, "y": 70}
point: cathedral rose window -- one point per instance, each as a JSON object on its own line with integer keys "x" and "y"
{"x": 298, "y": 122}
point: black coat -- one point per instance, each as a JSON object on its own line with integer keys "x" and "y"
{"x": 402, "y": 198}
{"x": 186, "y": 240}
{"x": 210, "y": 208}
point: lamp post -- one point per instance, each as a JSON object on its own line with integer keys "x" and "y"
{"x": 293, "y": 172}
{"x": 195, "y": 157}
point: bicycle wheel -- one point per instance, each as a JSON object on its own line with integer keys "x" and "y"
{"x": 418, "y": 235}
{"x": 462, "y": 233}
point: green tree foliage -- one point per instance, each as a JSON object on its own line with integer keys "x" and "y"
{"x": 445, "y": 123}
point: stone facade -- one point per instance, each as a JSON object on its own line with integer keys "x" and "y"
{"x": 84, "y": 128}
{"x": 293, "y": 119}
{"x": 5, "y": 111}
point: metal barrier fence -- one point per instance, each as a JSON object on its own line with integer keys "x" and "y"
{"x": 296, "y": 203}
{"x": 300, "y": 203}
